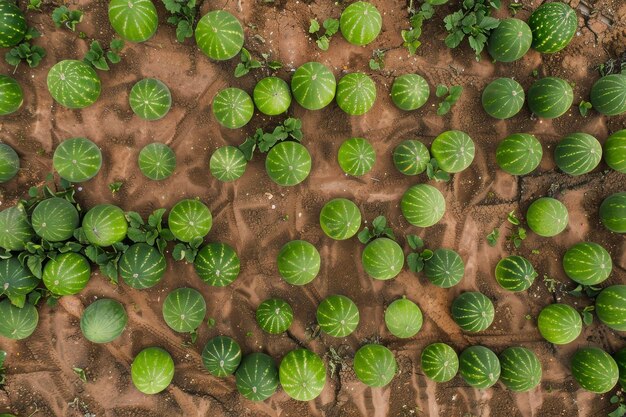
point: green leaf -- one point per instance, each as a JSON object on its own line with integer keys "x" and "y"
{"x": 379, "y": 224}
{"x": 441, "y": 90}
{"x": 374, "y": 65}
{"x": 364, "y": 235}
{"x": 136, "y": 235}
{"x": 3, "y": 356}
{"x": 415, "y": 242}
{"x": 116, "y": 45}
{"x": 80, "y": 373}
{"x": 584, "y": 108}
{"x": 323, "y": 43}
{"x": 427, "y": 254}
{"x": 101, "y": 64}
{"x": 241, "y": 70}
{"x": 18, "y": 300}
{"x": 114, "y": 187}
{"x": 314, "y": 26}
{"x": 31, "y": 33}
{"x": 454, "y": 39}
{"x": 184, "y": 30}
{"x": 254, "y": 64}
{"x": 248, "y": 147}
{"x": 415, "y": 262}
{"x": 134, "y": 219}
{"x": 455, "y": 94}
{"x": 274, "y": 65}
{"x": 444, "y": 108}
{"x": 512, "y": 218}
{"x": 113, "y": 57}
{"x": 109, "y": 269}
{"x": 441, "y": 176}
{"x": 34, "y": 263}
{"x": 492, "y": 238}
{"x": 489, "y": 23}
{"x": 166, "y": 234}
{"x": 587, "y": 318}
{"x": 156, "y": 218}
{"x": 331, "y": 27}
{"x": 178, "y": 253}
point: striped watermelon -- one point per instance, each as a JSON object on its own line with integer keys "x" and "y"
{"x": 550, "y": 97}
{"x": 360, "y": 23}
{"x": 559, "y": 324}
{"x": 613, "y": 212}
{"x": 105, "y": 224}
{"x": 54, "y": 219}
{"x": 302, "y": 375}
{"x": 503, "y": 98}
{"x": 233, "y": 108}
{"x": 340, "y": 219}
{"x": 16, "y": 279}
{"x": 587, "y": 263}
{"x": 274, "y": 315}
{"x": 288, "y": 163}
{"x": 519, "y": 154}
{"x": 411, "y": 157}
{"x": 445, "y": 268}
{"x": 298, "y": 262}
{"x": 479, "y": 367}
{"x": 228, "y": 163}
{"x": 272, "y": 96}
{"x": 608, "y": 95}
{"x": 142, "y": 266}
{"x": 217, "y": 264}
{"x": 510, "y": 40}
{"x": 595, "y": 370}
{"x": 221, "y": 356}
{"x": 133, "y": 20}
{"x": 521, "y": 369}
{"x": 356, "y": 93}
{"x": 409, "y": 92}
{"x": 11, "y": 95}
{"x": 219, "y": 35}
{"x": 338, "y": 316}
{"x": 453, "y": 150}
{"x": 152, "y": 370}
{"x": 257, "y": 377}
{"x": 547, "y": 216}
{"x": 578, "y": 154}
{"x": 473, "y": 311}
{"x": 615, "y": 151}
{"x": 189, "y": 220}
{"x": 103, "y": 321}
{"x": 313, "y": 86}
{"x": 15, "y": 229}
{"x": 611, "y": 307}
{"x": 157, "y": 161}
{"x": 382, "y": 259}
{"x": 423, "y": 205}
{"x": 403, "y": 318}
{"x": 77, "y": 159}
{"x": 9, "y": 163}
{"x": 184, "y": 310}
{"x": 356, "y": 156}
{"x": 66, "y": 274}
{"x": 620, "y": 358}
{"x": 515, "y": 273}
{"x": 150, "y": 99}
{"x": 17, "y": 323}
{"x": 74, "y": 84}
{"x": 439, "y": 362}
{"x": 553, "y": 27}
{"x": 12, "y": 24}
{"x": 375, "y": 365}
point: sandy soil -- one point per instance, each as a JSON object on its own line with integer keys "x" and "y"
{"x": 257, "y": 217}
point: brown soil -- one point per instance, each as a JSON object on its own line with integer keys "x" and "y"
{"x": 39, "y": 370}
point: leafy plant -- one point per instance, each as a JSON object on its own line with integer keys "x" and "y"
{"x": 331, "y": 26}
{"x": 80, "y": 372}
{"x": 435, "y": 173}
{"x": 34, "y": 5}
{"x": 97, "y": 57}
{"x": 618, "y": 399}
{"x": 26, "y": 51}
{"x": 584, "y": 108}
{"x": 106, "y": 260}
{"x": 515, "y": 7}
{"x": 64, "y": 16}
{"x": 187, "y": 251}
{"x": 336, "y": 361}
{"x": 492, "y": 238}
{"x": 377, "y": 62}
{"x": 416, "y": 19}
{"x": 589, "y": 291}
{"x": 550, "y": 283}
{"x": 291, "y": 128}
{"x": 3, "y": 356}
{"x": 416, "y": 260}
{"x": 153, "y": 233}
{"x": 379, "y": 229}
{"x": 473, "y": 21}
{"x": 274, "y": 65}
{"x": 450, "y": 97}
{"x": 115, "y": 186}
{"x": 586, "y": 315}
{"x": 613, "y": 66}
{"x": 183, "y": 16}
{"x": 248, "y": 63}
{"x": 518, "y": 233}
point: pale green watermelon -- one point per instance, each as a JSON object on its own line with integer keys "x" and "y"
{"x": 150, "y": 99}
{"x": 105, "y": 225}
{"x": 515, "y": 273}
{"x": 382, "y": 259}
{"x": 559, "y": 323}
{"x": 221, "y": 356}
{"x": 454, "y": 151}
{"x": 274, "y": 316}
{"x": 409, "y": 92}
{"x": 519, "y": 154}
{"x": 17, "y": 323}
{"x": 217, "y": 264}
{"x": 611, "y": 307}
{"x": 228, "y": 163}
{"x": 189, "y": 220}
{"x": 356, "y": 156}
{"x": 340, "y": 219}
{"x": 219, "y": 35}
{"x": 133, "y": 20}
{"x": 66, "y": 274}
{"x": 302, "y": 375}
{"x": 587, "y": 263}
{"x": 184, "y": 310}
{"x": 510, "y": 40}
{"x": 152, "y": 370}
{"x": 360, "y": 23}
{"x": 595, "y": 370}
{"x": 338, "y": 316}
{"x": 298, "y": 262}
{"x": 423, "y": 205}
{"x": 313, "y": 86}
{"x": 356, "y": 93}
{"x": 439, "y": 362}
{"x": 613, "y": 212}
{"x": 233, "y": 108}
{"x": 547, "y": 216}
{"x": 103, "y": 321}
{"x": 375, "y": 365}
{"x": 615, "y": 151}
{"x": 77, "y": 159}
{"x": 272, "y": 96}
{"x": 403, "y": 318}
{"x": 157, "y": 161}
{"x": 74, "y": 84}
{"x": 288, "y": 163}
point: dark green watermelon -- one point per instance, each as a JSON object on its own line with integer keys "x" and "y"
{"x": 11, "y": 95}
{"x": 510, "y": 40}
{"x": 257, "y": 377}
{"x": 521, "y": 369}
{"x": 479, "y": 367}
{"x": 611, "y": 307}
{"x": 578, "y": 153}
{"x": 221, "y": 356}
{"x": 12, "y": 24}
{"x": 595, "y": 370}
{"x": 550, "y": 97}
{"x": 553, "y": 26}
{"x": 608, "y": 95}
{"x": 9, "y": 163}
{"x": 17, "y": 323}
{"x": 15, "y": 229}
{"x": 615, "y": 151}
{"x": 613, "y": 212}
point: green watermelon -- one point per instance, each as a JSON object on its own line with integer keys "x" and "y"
{"x": 615, "y": 151}
{"x": 15, "y": 229}
{"x": 423, "y": 205}
{"x": 257, "y": 377}
{"x": 9, "y": 163}
{"x": 587, "y": 263}
{"x": 217, "y": 264}
{"x": 302, "y": 375}
{"x": 356, "y": 156}
{"x": 409, "y": 92}
{"x": 11, "y": 95}
{"x": 439, "y": 362}
{"x": 157, "y": 161}
{"x": 611, "y": 307}
{"x": 219, "y": 35}
{"x": 479, "y": 367}
{"x": 445, "y": 268}
{"x": 360, "y": 23}
{"x": 142, "y": 266}
{"x": 16, "y": 279}
{"x": 503, "y": 98}
{"x": 313, "y": 86}
{"x": 515, "y": 273}
{"x": 228, "y": 163}
{"x": 152, "y": 370}
{"x": 77, "y": 159}
{"x": 189, "y": 220}
{"x": 221, "y": 356}
{"x": 375, "y": 365}
{"x": 338, "y": 316}
{"x": 54, "y": 219}
{"x": 74, "y": 84}
{"x": 104, "y": 225}
{"x": 340, "y": 219}
{"x": 66, "y": 274}
{"x": 559, "y": 324}
{"x": 578, "y": 154}
{"x": 411, "y": 157}
{"x": 103, "y": 321}
{"x": 356, "y": 93}
{"x": 547, "y": 216}
{"x": 608, "y": 95}
{"x": 553, "y": 26}
{"x": 595, "y": 370}
{"x": 150, "y": 99}
{"x": 620, "y": 358}
{"x": 510, "y": 40}
{"x": 184, "y": 310}
{"x": 521, "y": 369}
{"x": 613, "y": 212}
{"x": 233, "y": 108}
{"x": 453, "y": 150}
{"x": 519, "y": 154}
{"x": 298, "y": 262}
{"x": 550, "y": 97}
{"x": 403, "y": 318}
{"x": 274, "y": 315}
{"x": 12, "y": 24}
{"x": 133, "y": 20}
{"x": 288, "y": 163}
{"x": 17, "y": 323}
{"x": 382, "y": 259}
{"x": 473, "y": 311}
{"x": 272, "y": 96}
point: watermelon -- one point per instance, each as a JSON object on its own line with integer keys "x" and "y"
{"x": 11, "y": 95}
{"x": 547, "y": 216}
{"x": 375, "y": 365}
{"x": 12, "y": 24}
{"x": 550, "y": 97}
{"x": 66, "y": 274}
{"x": 217, "y": 264}
{"x": 382, "y": 259}
{"x": 340, "y": 219}
{"x": 403, "y": 318}
{"x": 445, "y": 268}
{"x": 184, "y": 310}
{"x": 423, "y": 205}
{"x": 503, "y": 98}
{"x": 274, "y": 315}
{"x": 302, "y": 375}
{"x": 103, "y": 321}
{"x": 611, "y": 307}
{"x": 313, "y": 86}
{"x": 74, "y": 84}
{"x": 16, "y": 279}
{"x": 9, "y": 163}
{"x": 473, "y": 311}
{"x": 219, "y": 35}
{"x": 521, "y": 369}
{"x": 233, "y": 108}
{"x": 356, "y": 156}
{"x": 17, "y": 323}
{"x": 133, "y": 20}
{"x": 615, "y": 151}
{"x": 338, "y": 316}
{"x": 553, "y": 26}
{"x": 510, "y": 40}
{"x": 519, "y": 154}
{"x": 288, "y": 163}
{"x": 54, "y": 219}
{"x": 515, "y": 273}
{"x": 620, "y": 358}
{"x": 189, "y": 220}
{"x": 15, "y": 229}
{"x": 227, "y": 163}
{"x": 77, "y": 159}
{"x": 439, "y": 362}
{"x": 479, "y": 367}
{"x": 595, "y": 370}
{"x": 142, "y": 266}
{"x": 157, "y": 161}
{"x": 104, "y": 225}
{"x": 360, "y": 23}
{"x": 453, "y": 150}
{"x": 221, "y": 356}
{"x": 608, "y": 95}
{"x": 587, "y": 263}
{"x": 356, "y": 93}
{"x": 150, "y": 99}
{"x": 152, "y": 370}
{"x": 578, "y": 154}
{"x": 613, "y": 212}
{"x": 411, "y": 157}
{"x": 559, "y": 324}
{"x": 272, "y": 96}
{"x": 409, "y": 92}
{"x": 257, "y": 377}
{"x": 298, "y": 262}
